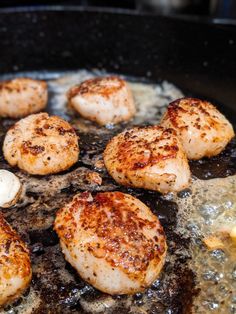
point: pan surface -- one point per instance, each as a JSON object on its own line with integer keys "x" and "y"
{"x": 199, "y": 59}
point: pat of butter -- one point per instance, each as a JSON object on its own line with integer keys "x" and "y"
{"x": 10, "y": 187}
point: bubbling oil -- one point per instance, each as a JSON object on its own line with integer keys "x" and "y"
{"x": 211, "y": 210}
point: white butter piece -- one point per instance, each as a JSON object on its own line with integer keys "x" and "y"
{"x": 10, "y": 187}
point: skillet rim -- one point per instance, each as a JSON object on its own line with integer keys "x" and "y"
{"x": 192, "y": 19}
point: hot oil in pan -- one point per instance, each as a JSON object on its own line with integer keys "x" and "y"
{"x": 211, "y": 209}
{"x": 56, "y": 288}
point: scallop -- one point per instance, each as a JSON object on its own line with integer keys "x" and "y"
{"x": 105, "y": 100}
{"x": 113, "y": 240}
{"x": 15, "y": 267}
{"x": 41, "y": 144}
{"x": 148, "y": 157}
{"x": 22, "y": 96}
{"x": 201, "y": 128}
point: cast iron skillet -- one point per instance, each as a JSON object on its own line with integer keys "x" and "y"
{"x": 198, "y": 58}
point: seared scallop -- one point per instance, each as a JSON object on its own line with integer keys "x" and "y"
{"x": 150, "y": 157}
{"x": 201, "y": 128}
{"x": 113, "y": 240}
{"x": 21, "y": 97}
{"x": 41, "y": 145}
{"x": 15, "y": 269}
{"x": 104, "y": 100}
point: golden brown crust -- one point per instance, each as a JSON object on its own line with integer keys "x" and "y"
{"x": 202, "y": 129}
{"x": 121, "y": 233}
{"x": 103, "y": 100}
{"x": 11, "y": 86}
{"x": 193, "y": 106}
{"x": 14, "y": 261}
{"x": 11, "y": 250}
{"x": 131, "y": 148}
{"x": 22, "y": 96}
{"x": 96, "y": 85}
{"x": 41, "y": 144}
{"x": 148, "y": 157}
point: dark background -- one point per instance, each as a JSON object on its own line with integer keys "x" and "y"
{"x": 225, "y": 9}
